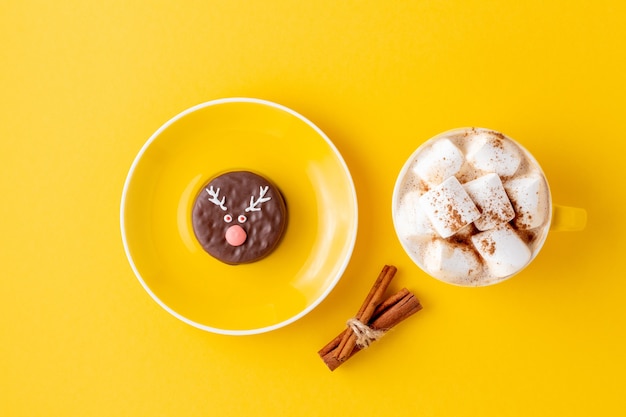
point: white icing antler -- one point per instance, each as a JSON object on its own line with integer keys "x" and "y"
{"x": 214, "y": 194}
{"x": 262, "y": 199}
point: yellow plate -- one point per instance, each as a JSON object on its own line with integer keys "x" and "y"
{"x": 232, "y": 134}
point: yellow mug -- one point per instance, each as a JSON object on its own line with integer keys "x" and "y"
{"x": 472, "y": 207}
{"x": 568, "y": 219}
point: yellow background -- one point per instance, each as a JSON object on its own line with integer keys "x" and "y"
{"x": 83, "y": 86}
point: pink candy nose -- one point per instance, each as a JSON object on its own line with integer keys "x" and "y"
{"x": 235, "y": 235}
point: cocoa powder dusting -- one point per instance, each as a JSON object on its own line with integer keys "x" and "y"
{"x": 456, "y": 221}
{"x": 463, "y": 238}
{"x": 499, "y": 135}
{"x": 498, "y": 143}
{"x": 488, "y": 246}
{"x": 522, "y": 222}
{"x": 528, "y": 236}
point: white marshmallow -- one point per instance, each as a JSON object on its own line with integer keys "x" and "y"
{"x": 410, "y": 219}
{"x": 503, "y": 250}
{"x": 448, "y": 207}
{"x": 529, "y": 196}
{"x": 489, "y": 195}
{"x": 453, "y": 263}
{"x": 442, "y": 160}
{"x": 491, "y": 153}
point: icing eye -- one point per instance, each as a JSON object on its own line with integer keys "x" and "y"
{"x": 228, "y": 218}
{"x": 242, "y": 218}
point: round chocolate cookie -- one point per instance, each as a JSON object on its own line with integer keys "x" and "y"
{"x": 239, "y": 217}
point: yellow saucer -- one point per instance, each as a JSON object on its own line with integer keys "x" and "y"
{"x": 238, "y": 134}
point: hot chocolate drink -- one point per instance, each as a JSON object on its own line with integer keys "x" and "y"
{"x": 471, "y": 207}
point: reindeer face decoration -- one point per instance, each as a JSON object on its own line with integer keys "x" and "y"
{"x": 239, "y": 217}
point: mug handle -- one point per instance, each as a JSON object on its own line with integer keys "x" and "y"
{"x": 569, "y": 219}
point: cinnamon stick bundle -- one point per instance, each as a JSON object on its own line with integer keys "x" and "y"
{"x": 376, "y": 314}
{"x": 373, "y": 299}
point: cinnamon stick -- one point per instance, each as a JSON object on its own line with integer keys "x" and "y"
{"x": 388, "y": 314}
{"x": 382, "y": 308}
{"x": 373, "y": 299}
{"x": 389, "y": 302}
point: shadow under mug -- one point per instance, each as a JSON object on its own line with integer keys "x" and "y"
{"x": 559, "y": 218}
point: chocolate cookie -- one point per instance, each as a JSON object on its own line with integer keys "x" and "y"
{"x": 239, "y": 217}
